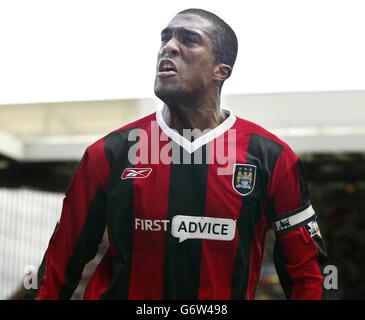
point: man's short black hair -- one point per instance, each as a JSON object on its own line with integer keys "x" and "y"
{"x": 225, "y": 44}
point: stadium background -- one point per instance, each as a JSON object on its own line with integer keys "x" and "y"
{"x": 48, "y": 116}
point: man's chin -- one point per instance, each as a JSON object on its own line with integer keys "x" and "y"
{"x": 168, "y": 95}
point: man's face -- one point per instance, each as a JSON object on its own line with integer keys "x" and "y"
{"x": 185, "y": 59}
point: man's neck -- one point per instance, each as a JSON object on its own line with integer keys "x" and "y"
{"x": 199, "y": 116}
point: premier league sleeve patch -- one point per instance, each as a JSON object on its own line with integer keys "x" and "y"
{"x": 244, "y": 178}
{"x": 313, "y": 229}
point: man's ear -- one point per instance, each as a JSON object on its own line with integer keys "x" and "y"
{"x": 222, "y": 72}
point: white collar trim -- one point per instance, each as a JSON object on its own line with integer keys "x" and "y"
{"x": 202, "y": 140}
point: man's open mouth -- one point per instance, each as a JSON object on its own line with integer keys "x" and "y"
{"x": 166, "y": 68}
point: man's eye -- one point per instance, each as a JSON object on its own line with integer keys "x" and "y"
{"x": 189, "y": 40}
{"x": 165, "y": 39}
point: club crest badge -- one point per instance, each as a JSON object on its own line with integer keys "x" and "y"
{"x": 244, "y": 178}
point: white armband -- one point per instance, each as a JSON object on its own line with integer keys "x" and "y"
{"x": 294, "y": 219}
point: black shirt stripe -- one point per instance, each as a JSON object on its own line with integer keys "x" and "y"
{"x": 188, "y": 184}
{"x": 87, "y": 244}
{"x": 263, "y": 153}
{"x": 119, "y": 214}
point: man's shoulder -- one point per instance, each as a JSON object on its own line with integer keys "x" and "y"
{"x": 98, "y": 147}
{"x": 251, "y": 128}
{"x": 260, "y": 134}
{"x": 140, "y": 123}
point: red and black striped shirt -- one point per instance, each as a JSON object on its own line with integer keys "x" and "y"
{"x": 182, "y": 229}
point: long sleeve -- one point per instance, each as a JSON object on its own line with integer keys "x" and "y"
{"x": 299, "y": 252}
{"x": 76, "y": 237}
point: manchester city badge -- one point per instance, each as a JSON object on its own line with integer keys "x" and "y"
{"x": 244, "y": 178}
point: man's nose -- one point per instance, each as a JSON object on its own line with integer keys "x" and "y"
{"x": 172, "y": 47}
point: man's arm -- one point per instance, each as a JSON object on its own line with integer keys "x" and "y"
{"x": 300, "y": 257}
{"x": 299, "y": 252}
{"x": 76, "y": 237}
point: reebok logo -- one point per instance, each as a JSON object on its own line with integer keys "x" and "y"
{"x": 135, "y": 173}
